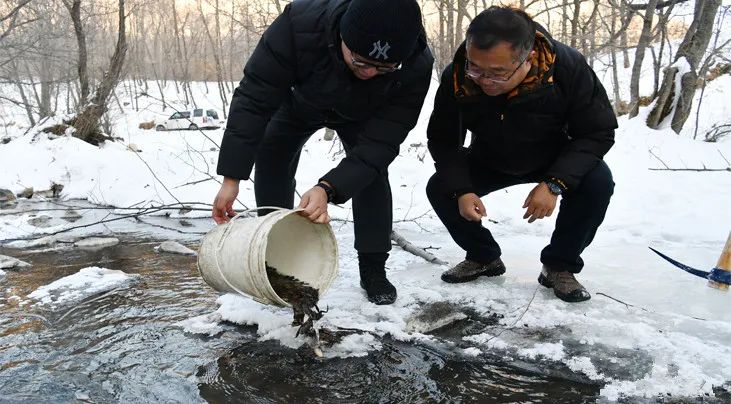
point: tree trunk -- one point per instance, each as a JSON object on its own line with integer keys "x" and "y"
{"x": 564, "y": 21}
{"x": 82, "y": 68}
{"x": 450, "y": 26}
{"x": 625, "y": 16}
{"x": 459, "y": 32}
{"x": 575, "y": 23}
{"x": 21, "y": 92}
{"x": 692, "y": 49}
{"x": 645, "y": 37}
{"x": 87, "y": 122}
{"x": 615, "y": 73}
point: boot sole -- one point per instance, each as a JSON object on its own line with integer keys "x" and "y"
{"x": 489, "y": 274}
{"x": 543, "y": 280}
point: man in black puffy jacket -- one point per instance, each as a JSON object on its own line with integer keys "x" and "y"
{"x": 360, "y": 67}
{"x": 537, "y": 114}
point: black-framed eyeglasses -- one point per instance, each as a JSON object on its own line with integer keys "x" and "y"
{"x": 475, "y": 73}
{"x": 362, "y": 64}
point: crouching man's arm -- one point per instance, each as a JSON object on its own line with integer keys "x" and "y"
{"x": 446, "y": 135}
{"x": 268, "y": 77}
{"x": 379, "y": 140}
{"x": 591, "y": 123}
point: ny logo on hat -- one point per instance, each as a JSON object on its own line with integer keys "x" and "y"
{"x": 380, "y": 51}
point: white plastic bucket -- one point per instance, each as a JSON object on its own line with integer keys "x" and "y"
{"x": 233, "y": 256}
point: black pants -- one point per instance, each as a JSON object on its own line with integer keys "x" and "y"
{"x": 276, "y": 165}
{"x": 580, "y": 213}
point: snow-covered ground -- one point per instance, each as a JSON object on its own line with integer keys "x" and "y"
{"x": 670, "y": 317}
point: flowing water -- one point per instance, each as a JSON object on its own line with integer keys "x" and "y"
{"x": 123, "y": 345}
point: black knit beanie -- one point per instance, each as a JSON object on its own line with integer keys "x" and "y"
{"x": 381, "y": 30}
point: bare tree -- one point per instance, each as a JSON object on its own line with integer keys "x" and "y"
{"x": 87, "y": 122}
{"x": 677, "y": 100}
{"x": 9, "y": 21}
{"x": 645, "y": 38}
{"x": 74, "y": 8}
{"x": 217, "y": 49}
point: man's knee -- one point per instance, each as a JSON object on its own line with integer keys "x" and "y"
{"x": 598, "y": 183}
{"x": 435, "y": 189}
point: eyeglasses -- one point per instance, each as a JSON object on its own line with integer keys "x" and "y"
{"x": 362, "y": 64}
{"x": 475, "y": 73}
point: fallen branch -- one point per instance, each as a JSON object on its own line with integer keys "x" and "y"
{"x": 619, "y": 301}
{"x": 195, "y": 182}
{"x": 638, "y": 307}
{"x": 668, "y": 168}
{"x": 154, "y": 175}
{"x": 136, "y": 215}
{"x": 691, "y": 169}
{"x": 201, "y": 233}
{"x": 419, "y": 252}
{"x": 183, "y": 205}
{"x": 520, "y": 317}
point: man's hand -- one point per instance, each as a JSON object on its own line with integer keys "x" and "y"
{"x": 223, "y": 204}
{"x": 540, "y": 203}
{"x": 314, "y": 203}
{"x": 471, "y": 207}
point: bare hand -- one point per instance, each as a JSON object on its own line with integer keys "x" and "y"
{"x": 540, "y": 203}
{"x": 471, "y": 207}
{"x": 223, "y": 204}
{"x": 314, "y": 203}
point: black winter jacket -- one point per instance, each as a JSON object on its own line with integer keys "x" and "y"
{"x": 299, "y": 61}
{"x": 561, "y": 129}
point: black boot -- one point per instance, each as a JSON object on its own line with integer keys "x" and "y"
{"x": 373, "y": 278}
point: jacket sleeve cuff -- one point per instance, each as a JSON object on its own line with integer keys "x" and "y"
{"x": 332, "y": 179}
{"x": 462, "y": 191}
{"x": 556, "y": 180}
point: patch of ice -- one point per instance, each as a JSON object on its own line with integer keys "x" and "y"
{"x": 206, "y": 324}
{"x": 488, "y": 340}
{"x": 582, "y": 364}
{"x": 76, "y": 287}
{"x": 547, "y": 350}
{"x": 39, "y": 242}
{"x": 354, "y": 345}
{"x": 7, "y": 262}
{"x": 97, "y": 242}
{"x": 472, "y": 351}
{"x": 175, "y": 248}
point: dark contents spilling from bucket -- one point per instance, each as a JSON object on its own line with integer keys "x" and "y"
{"x": 301, "y": 296}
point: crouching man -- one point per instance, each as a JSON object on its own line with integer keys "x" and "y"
{"x": 360, "y": 67}
{"x": 537, "y": 114}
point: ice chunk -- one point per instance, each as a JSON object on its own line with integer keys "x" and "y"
{"x": 39, "y": 242}
{"x": 175, "y": 248}
{"x": 76, "y": 287}
{"x": 205, "y": 324}
{"x": 97, "y": 242}
{"x": 7, "y": 262}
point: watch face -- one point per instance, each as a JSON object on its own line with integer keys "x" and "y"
{"x": 554, "y": 188}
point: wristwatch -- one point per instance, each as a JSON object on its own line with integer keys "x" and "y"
{"x": 328, "y": 190}
{"x": 554, "y": 188}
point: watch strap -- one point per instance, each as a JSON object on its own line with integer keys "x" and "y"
{"x": 328, "y": 190}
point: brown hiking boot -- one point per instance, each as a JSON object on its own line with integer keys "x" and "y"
{"x": 564, "y": 284}
{"x": 468, "y": 270}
